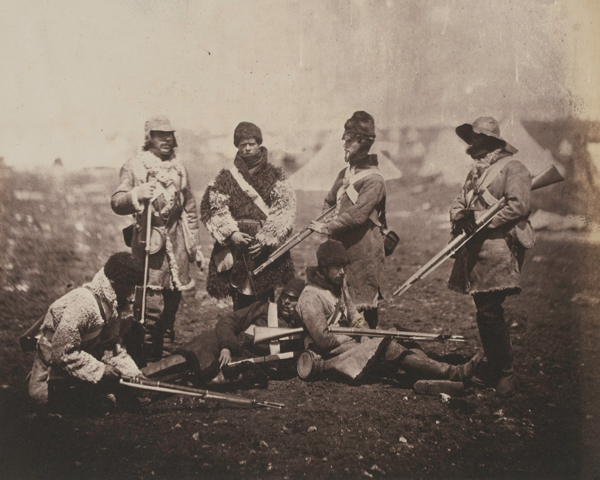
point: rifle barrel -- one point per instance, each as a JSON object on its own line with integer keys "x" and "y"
{"x": 157, "y": 386}
{"x": 394, "y": 333}
{"x": 292, "y": 242}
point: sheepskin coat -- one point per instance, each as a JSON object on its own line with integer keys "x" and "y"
{"x": 224, "y": 208}
{"x": 64, "y": 345}
{"x": 492, "y": 260}
{"x": 354, "y": 227}
{"x": 344, "y": 355}
{"x": 175, "y": 205}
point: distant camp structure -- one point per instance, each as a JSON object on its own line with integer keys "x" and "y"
{"x": 319, "y": 173}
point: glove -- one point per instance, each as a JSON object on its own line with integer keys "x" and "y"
{"x": 464, "y": 222}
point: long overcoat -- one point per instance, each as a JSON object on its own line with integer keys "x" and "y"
{"x": 492, "y": 260}
{"x": 174, "y": 210}
{"x": 363, "y": 239}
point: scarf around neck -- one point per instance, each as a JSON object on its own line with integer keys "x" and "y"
{"x": 480, "y": 166}
{"x": 317, "y": 278}
{"x": 248, "y": 165}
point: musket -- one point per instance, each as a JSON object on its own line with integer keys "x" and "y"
{"x": 146, "y": 253}
{"x": 411, "y": 336}
{"x": 267, "y": 334}
{"x": 549, "y": 176}
{"x": 157, "y": 386}
{"x": 275, "y": 357}
{"x": 292, "y": 242}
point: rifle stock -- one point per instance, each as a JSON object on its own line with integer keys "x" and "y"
{"x": 548, "y": 176}
{"x": 292, "y": 242}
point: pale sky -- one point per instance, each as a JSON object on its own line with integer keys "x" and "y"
{"x": 80, "y": 78}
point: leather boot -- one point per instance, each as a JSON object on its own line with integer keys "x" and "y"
{"x": 420, "y": 365}
{"x": 506, "y": 383}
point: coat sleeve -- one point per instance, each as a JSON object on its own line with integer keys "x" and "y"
{"x": 517, "y": 193}
{"x": 331, "y": 198}
{"x": 231, "y": 329}
{"x": 282, "y": 215}
{"x": 66, "y": 343}
{"x": 215, "y": 213}
{"x": 371, "y": 193}
{"x": 459, "y": 204}
{"x": 124, "y": 200}
{"x": 189, "y": 205}
{"x": 312, "y": 312}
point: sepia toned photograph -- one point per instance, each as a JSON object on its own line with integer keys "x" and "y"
{"x": 299, "y": 239}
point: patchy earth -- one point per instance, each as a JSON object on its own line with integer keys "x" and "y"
{"x": 549, "y": 429}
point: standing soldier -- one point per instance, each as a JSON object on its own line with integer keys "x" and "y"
{"x": 359, "y": 196}
{"x": 249, "y": 210}
{"x": 489, "y": 266}
{"x": 156, "y": 179}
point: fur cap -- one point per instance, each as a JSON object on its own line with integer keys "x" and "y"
{"x": 332, "y": 253}
{"x": 123, "y": 268}
{"x": 246, "y": 130}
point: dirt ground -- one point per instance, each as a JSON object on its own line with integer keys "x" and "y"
{"x": 549, "y": 429}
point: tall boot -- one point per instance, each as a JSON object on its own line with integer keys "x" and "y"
{"x": 171, "y": 301}
{"x": 495, "y": 338}
{"x": 417, "y": 363}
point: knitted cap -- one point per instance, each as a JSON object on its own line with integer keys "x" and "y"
{"x": 246, "y": 130}
{"x": 123, "y": 268}
{"x": 361, "y": 123}
{"x": 294, "y": 287}
{"x": 332, "y": 253}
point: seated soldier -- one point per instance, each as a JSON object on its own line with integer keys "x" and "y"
{"x": 322, "y": 304}
{"x": 207, "y": 356}
{"x": 79, "y": 349}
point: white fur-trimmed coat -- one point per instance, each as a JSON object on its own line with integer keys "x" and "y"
{"x": 76, "y": 315}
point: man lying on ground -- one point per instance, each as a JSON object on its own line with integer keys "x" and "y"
{"x": 208, "y": 355}
{"x": 322, "y": 304}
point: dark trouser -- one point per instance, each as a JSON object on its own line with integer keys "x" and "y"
{"x": 493, "y": 330}
{"x": 158, "y": 329}
{"x": 242, "y": 301}
{"x": 371, "y": 317}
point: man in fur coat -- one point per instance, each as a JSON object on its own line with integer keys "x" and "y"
{"x": 323, "y": 303}
{"x": 489, "y": 266}
{"x": 81, "y": 332}
{"x": 156, "y": 175}
{"x": 359, "y": 196}
{"x": 208, "y": 355}
{"x": 249, "y": 210}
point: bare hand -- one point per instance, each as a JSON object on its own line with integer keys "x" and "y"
{"x": 112, "y": 373}
{"x": 318, "y": 227}
{"x": 146, "y": 191}
{"x": 256, "y": 249}
{"x": 225, "y": 357}
{"x": 239, "y": 238}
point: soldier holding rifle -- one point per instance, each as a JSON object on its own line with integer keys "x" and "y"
{"x": 155, "y": 185}
{"x": 488, "y": 267}
{"x": 249, "y": 210}
{"x": 322, "y": 304}
{"x": 358, "y": 194}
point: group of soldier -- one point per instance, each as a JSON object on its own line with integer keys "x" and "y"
{"x": 95, "y": 335}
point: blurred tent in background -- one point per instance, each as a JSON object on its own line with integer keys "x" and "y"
{"x": 320, "y": 172}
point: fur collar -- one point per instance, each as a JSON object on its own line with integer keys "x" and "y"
{"x": 159, "y": 167}
{"x": 102, "y": 288}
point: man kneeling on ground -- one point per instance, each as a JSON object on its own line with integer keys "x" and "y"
{"x": 79, "y": 349}
{"x": 322, "y": 303}
{"x": 207, "y": 357}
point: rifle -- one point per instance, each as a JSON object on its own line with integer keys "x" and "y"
{"x": 292, "y": 242}
{"x": 156, "y": 386}
{"x": 549, "y": 176}
{"x": 146, "y": 253}
{"x": 267, "y": 358}
{"x": 267, "y": 334}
